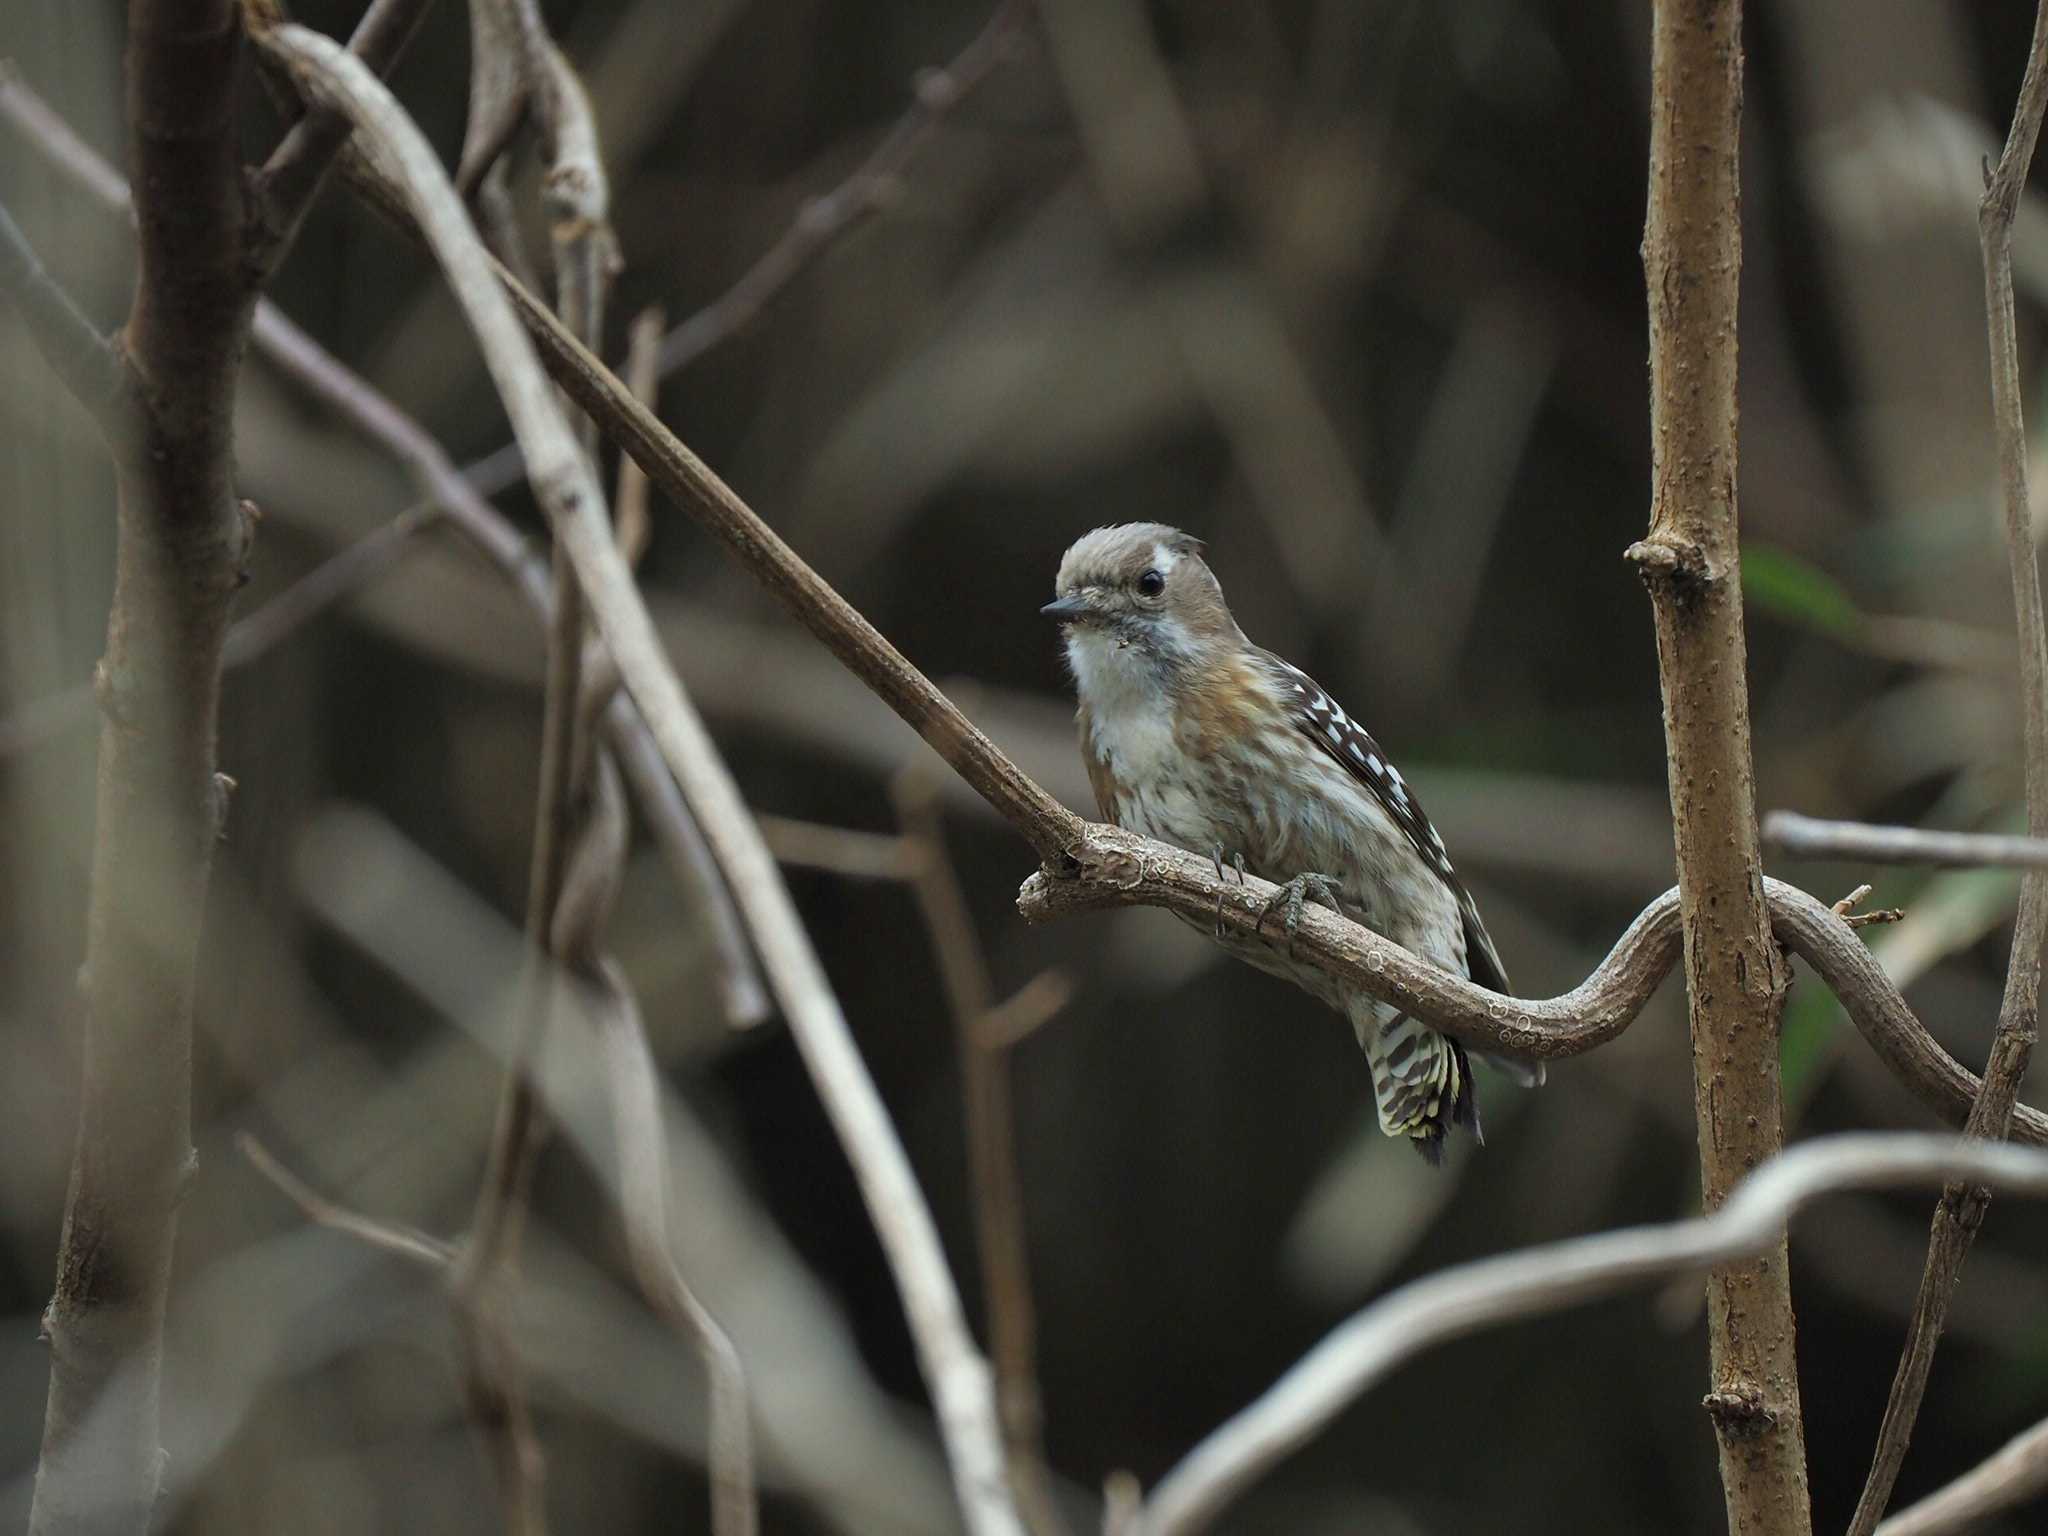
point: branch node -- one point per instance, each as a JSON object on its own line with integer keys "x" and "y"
{"x": 1739, "y": 1411}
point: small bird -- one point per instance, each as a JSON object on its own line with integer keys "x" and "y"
{"x": 1197, "y": 737}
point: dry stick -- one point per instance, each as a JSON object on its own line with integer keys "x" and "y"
{"x": 408, "y": 1243}
{"x": 1735, "y": 974}
{"x": 630, "y": 522}
{"x": 1807, "y": 837}
{"x": 2014, "y": 1474}
{"x": 742, "y": 995}
{"x": 586, "y": 259}
{"x": 582, "y": 916}
{"x": 282, "y": 192}
{"x": 182, "y": 542}
{"x": 1366, "y": 1348}
{"x": 998, "y": 1188}
{"x": 955, "y": 1373}
{"x": 1090, "y": 866}
{"x": 1961, "y": 1211}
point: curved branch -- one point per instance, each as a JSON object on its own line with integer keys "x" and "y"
{"x": 1364, "y": 1350}
{"x": 1109, "y": 867}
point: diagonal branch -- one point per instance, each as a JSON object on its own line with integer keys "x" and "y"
{"x": 70, "y": 343}
{"x": 1364, "y": 1350}
{"x": 283, "y": 191}
{"x": 1961, "y": 1211}
{"x": 562, "y": 480}
{"x": 2012, "y": 1475}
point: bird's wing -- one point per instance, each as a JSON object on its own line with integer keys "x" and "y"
{"x": 1323, "y": 721}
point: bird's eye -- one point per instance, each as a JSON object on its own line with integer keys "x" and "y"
{"x": 1151, "y": 584}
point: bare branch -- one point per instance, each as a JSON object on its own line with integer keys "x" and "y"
{"x": 1807, "y": 837}
{"x": 1690, "y": 563}
{"x": 69, "y": 342}
{"x": 958, "y": 1378}
{"x": 643, "y": 1207}
{"x": 408, "y": 1243}
{"x": 837, "y": 850}
{"x": 643, "y": 377}
{"x": 291, "y": 178}
{"x": 1961, "y": 1211}
{"x": 2015, "y": 1474}
{"x": 183, "y": 537}
{"x": 586, "y": 260}
{"x": 991, "y": 1146}
{"x": 1362, "y": 1351}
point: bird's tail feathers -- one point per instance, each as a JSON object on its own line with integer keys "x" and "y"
{"x": 1421, "y": 1082}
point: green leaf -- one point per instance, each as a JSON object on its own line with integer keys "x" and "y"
{"x": 1780, "y": 583}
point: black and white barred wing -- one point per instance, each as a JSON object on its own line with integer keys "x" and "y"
{"x": 1323, "y": 721}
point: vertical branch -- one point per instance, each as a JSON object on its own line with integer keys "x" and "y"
{"x": 991, "y": 1149}
{"x": 182, "y": 538}
{"x": 1961, "y": 1210}
{"x": 1735, "y": 975}
{"x": 578, "y": 196}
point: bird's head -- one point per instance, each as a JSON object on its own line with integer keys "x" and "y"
{"x": 1141, "y": 592}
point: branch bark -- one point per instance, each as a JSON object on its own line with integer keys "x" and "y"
{"x": 1735, "y": 974}
{"x": 182, "y": 539}
{"x": 1961, "y": 1211}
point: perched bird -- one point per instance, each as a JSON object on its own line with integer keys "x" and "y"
{"x": 1197, "y": 737}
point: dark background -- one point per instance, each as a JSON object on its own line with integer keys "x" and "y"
{"x": 1385, "y": 351}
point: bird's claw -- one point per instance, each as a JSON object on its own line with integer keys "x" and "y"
{"x": 1290, "y": 898}
{"x": 1216, "y": 858}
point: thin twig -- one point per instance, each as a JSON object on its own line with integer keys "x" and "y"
{"x": 635, "y": 1092}
{"x": 1961, "y": 1211}
{"x": 954, "y": 1371}
{"x": 1362, "y": 1351}
{"x": 1863, "y": 843}
{"x": 1027, "y": 1009}
{"x": 643, "y": 377}
{"x": 70, "y": 343}
{"x": 837, "y": 850}
{"x": 408, "y": 1243}
{"x": 284, "y": 190}
{"x": 870, "y": 187}
{"x": 998, "y": 1187}
{"x": 2015, "y": 1473}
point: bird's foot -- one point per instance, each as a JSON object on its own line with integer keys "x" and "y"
{"x": 1216, "y": 858}
{"x": 1288, "y": 900}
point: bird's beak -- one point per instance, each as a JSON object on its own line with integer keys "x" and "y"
{"x": 1068, "y": 610}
